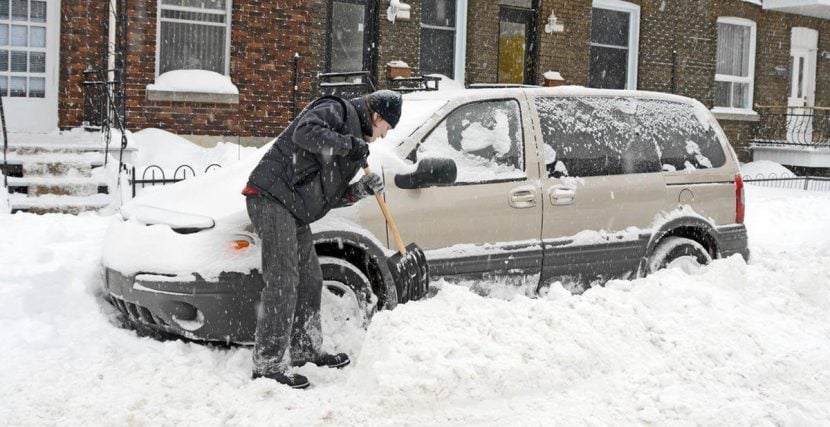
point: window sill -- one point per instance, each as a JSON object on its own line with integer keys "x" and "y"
{"x": 199, "y": 97}
{"x": 735, "y": 115}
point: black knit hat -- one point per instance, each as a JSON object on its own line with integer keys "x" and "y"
{"x": 387, "y": 103}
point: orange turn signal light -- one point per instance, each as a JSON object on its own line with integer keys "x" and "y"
{"x": 240, "y": 244}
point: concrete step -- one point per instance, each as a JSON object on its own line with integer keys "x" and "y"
{"x": 58, "y": 204}
{"x": 64, "y": 186}
{"x": 57, "y": 164}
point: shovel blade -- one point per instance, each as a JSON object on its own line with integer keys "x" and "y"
{"x": 410, "y": 272}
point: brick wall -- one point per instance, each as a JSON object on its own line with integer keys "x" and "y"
{"x": 264, "y": 39}
{"x": 82, "y": 44}
{"x": 567, "y": 52}
{"x": 399, "y": 41}
{"x": 772, "y": 51}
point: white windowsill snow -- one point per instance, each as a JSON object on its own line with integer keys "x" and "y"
{"x": 735, "y": 114}
{"x": 193, "y": 86}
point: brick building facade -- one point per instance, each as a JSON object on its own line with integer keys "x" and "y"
{"x": 265, "y": 36}
{"x": 676, "y": 48}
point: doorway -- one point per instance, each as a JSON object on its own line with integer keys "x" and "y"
{"x": 802, "y": 95}
{"x": 29, "y": 31}
{"x": 517, "y": 34}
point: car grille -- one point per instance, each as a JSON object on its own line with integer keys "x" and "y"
{"x": 137, "y": 312}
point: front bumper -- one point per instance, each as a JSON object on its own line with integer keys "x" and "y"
{"x": 223, "y": 310}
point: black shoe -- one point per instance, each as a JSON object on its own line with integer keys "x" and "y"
{"x": 291, "y": 380}
{"x": 338, "y": 360}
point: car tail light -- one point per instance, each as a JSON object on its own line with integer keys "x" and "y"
{"x": 740, "y": 207}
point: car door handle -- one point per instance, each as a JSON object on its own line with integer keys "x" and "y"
{"x": 561, "y": 195}
{"x": 523, "y": 198}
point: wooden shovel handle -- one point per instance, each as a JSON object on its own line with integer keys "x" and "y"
{"x": 388, "y": 216}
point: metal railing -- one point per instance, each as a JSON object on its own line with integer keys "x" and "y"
{"x": 788, "y": 181}
{"x": 5, "y": 170}
{"x": 154, "y": 175}
{"x": 415, "y": 84}
{"x": 346, "y": 85}
{"x": 792, "y": 126}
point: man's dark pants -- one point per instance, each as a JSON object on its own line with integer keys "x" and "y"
{"x": 289, "y": 311}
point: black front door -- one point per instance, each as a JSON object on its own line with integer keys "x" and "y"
{"x": 351, "y": 37}
{"x": 516, "y": 41}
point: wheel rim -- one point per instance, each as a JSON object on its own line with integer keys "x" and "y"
{"x": 340, "y": 304}
{"x": 687, "y": 264}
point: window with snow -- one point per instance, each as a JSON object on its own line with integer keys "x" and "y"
{"x": 734, "y": 78}
{"x": 684, "y": 137}
{"x": 615, "y": 28}
{"x": 438, "y": 37}
{"x": 193, "y": 35}
{"x": 594, "y": 136}
{"x": 483, "y": 138}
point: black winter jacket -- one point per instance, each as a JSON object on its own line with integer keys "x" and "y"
{"x": 307, "y": 169}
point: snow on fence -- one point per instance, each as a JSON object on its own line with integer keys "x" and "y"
{"x": 811, "y": 183}
{"x": 154, "y": 175}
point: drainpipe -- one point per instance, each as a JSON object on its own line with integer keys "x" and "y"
{"x": 113, "y": 11}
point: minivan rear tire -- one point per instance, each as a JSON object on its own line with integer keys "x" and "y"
{"x": 678, "y": 252}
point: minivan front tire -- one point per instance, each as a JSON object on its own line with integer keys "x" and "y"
{"x": 678, "y": 252}
{"x": 351, "y": 286}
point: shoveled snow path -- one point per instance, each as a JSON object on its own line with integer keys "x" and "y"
{"x": 733, "y": 344}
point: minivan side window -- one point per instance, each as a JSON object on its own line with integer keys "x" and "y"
{"x": 684, "y": 136}
{"x": 484, "y": 139}
{"x": 594, "y": 136}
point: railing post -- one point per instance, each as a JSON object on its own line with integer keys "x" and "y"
{"x": 5, "y": 145}
{"x": 296, "y": 85}
{"x": 806, "y": 182}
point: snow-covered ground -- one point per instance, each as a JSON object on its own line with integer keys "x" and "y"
{"x": 734, "y": 344}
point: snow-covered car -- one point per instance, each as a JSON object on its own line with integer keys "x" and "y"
{"x": 557, "y": 184}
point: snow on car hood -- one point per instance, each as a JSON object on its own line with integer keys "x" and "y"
{"x": 218, "y": 194}
{"x": 149, "y": 215}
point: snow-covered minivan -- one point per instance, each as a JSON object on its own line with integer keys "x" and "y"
{"x": 556, "y": 184}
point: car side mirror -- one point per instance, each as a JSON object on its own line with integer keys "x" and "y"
{"x": 429, "y": 172}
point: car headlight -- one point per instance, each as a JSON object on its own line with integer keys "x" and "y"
{"x": 241, "y": 242}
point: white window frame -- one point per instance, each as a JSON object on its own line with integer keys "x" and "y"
{"x": 227, "y": 24}
{"x": 460, "y": 43}
{"x": 633, "y": 11}
{"x": 731, "y": 20}
{"x": 460, "y": 40}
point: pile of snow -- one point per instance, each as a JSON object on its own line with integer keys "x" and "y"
{"x": 553, "y": 75}
{"x": 765, "y": 169}
{"x": 168, "y": 150}
{"x": 447, "y": 84}
{"x": 202, "y": 81}
{"x": 730, "y": 342}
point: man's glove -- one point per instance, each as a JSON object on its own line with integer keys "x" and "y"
{"x": 367, "y": 185}
{"x": 359, "y": 151}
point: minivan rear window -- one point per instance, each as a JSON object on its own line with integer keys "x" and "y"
{"x": 685, "y": 138}
{"x": 594, "y": 136}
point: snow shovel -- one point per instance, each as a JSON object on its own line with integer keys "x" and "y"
{"x": 409, "y": 266}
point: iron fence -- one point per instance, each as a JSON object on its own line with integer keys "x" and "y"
{"x": 154, "y": 175}
{"x": 788, "y": 181}
{"x": 795, "y": 126}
